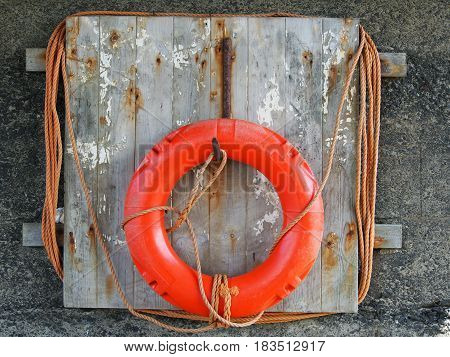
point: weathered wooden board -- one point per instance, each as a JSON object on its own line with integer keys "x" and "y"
{"x": 32, "y": 234}
{"x": 133, "y": 80}
{"x": 392, "y": 64}
{"x": 81, "y": 286}
{"x": 387, "y": 236}
{"x": 35, "y": 59}
{"x": 339, "y": 253}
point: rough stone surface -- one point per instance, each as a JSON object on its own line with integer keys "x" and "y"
{"x": 410, "y": 290}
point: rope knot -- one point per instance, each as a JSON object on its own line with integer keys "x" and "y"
{"x": 226, "y": 291}
{"x": 221, "y": 289}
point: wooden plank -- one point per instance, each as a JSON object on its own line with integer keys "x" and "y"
{"x": 191, "y": 96}
{"x": 266, "y": 106}
{"x": 339, "y": 254}
{"x": 304, "y": 127}
{"x": 116, "y": 139}
{"x": 388, "y": 236}
{"x": 227, "y": 196}
{"x": 393, "y": 64}
{"x": 154, "y": 72}
{"x": 80, "y": 249}
{"x": 161, "y": 73}
{"x": 32, "y": 234}
{"x": 35, "y": 59}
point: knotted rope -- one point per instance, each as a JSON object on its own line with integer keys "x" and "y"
{"x": 366, "y": 166}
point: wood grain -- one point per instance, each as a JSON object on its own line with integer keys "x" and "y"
{"x": 191, "y": 102}
{"x": 392, "y": 64}
{"x": 35, "y": 59}
{"x": 154, "y": 72}
{"x": 266, "y": 106}
{"x": 304, "y": 127}
{"x": 80, "y": 249}
{"x": 227, "y": 196}
{"x": 339, "y": 253}
{"x": 149, "y": 76}
{"x": 116, "y": 139}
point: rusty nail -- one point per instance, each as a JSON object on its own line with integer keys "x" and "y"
{"x": 227, "y": 53}
{"x": 216, "y": 149}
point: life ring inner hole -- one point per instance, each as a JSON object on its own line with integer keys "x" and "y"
{"x": 240, "y": 214}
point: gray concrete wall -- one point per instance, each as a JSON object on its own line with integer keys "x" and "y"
{"x": 410, "y": 289}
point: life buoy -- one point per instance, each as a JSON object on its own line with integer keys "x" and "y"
{"x": 254, "y": 145}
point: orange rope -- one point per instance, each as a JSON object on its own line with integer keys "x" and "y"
{"x": 366, "y": 165}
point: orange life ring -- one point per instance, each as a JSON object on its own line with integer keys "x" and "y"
{"x": 250, "y": 143}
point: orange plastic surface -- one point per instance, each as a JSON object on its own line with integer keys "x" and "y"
{"x": 254, "y": 145}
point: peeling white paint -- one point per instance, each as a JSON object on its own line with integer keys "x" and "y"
{"x": 263, "y": 189}
{"x": 179, "y": 57}
{"x": 335, "y": 54}
{"x": 105, "y": 81}
{"x": 102, "y": 204}
{"x": 108, "y": 112}
{"x": 142, "y": 38}
{"x": 114, "y": 240}
{"x": 59, "y": 216}
{"x": 183, "y": 122}
{"x": 87, "y": 152}
{"x": 270, "y": 104}
{"x": 92, "y": 154}
{"x": 270, "y": 218}
{"x": 207, "y": 29}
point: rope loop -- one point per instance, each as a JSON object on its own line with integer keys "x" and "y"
{"x": 366, "y": 173}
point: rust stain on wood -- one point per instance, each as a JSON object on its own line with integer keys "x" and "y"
{"x": 114, "y": 38}
{"x": 333, "y": 78}
{"x": 220, "y": 25}
{"x": 93, "y": 243}
{"x": 348, "y": 21}
{"x": 130, "y": 96}
{"x": 133, "y": 99}
{"x": 218, "y": 72}
{"x": 307, "y": 58}
{"x": 227, "y": 65}
{"x": 350, "y": 237}
{"x": 109, "y": 286}
{"x": 73, "y": 53}
{"x": 73, "y": 32}
{"x": 393, "y": 69}
{"x": 233, "y": 241}
{"x": 349, "y": 60}
{"x": 139, "y": 100}
{"x": 72, "y": 36}
{"x": 213, "y": 95}
{"x": 91, "y": 65}
{"x": 330, "y": 256}
{"x": 378, "y": 241}
{"x": 132, "y": 70}
{"x": 72, "y": 248}
{"x": 102, "y": 120}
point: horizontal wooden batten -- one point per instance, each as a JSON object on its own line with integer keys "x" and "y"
{"x": 388, "y": 236}
{"x": 392, "y": 64}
